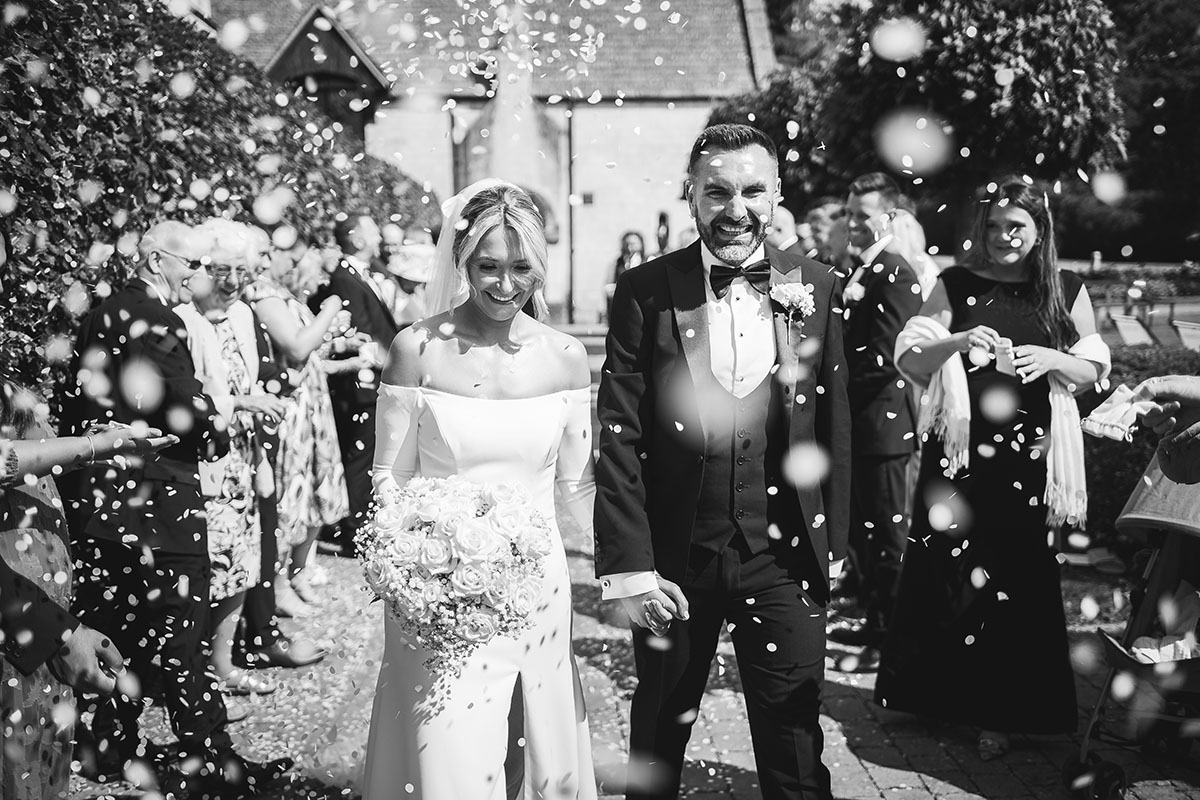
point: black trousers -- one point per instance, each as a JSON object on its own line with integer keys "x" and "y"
{"x": 779, "y": 639}
{"x": 260, "y": 625}
{"x": 154, "y": 603}
{"x": 356, "y": 441}
{"x": 879, "y": 509}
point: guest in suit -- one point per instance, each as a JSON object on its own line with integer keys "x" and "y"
{"x": 353, "y": 393}
{"x": 137, "y": 526}
{"x": 47, "y": 652}
{"x": 709, "y": 382}
{"x": 882, "y": 408}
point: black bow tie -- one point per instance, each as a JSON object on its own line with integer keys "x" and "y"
{"x": 757, "y": 274}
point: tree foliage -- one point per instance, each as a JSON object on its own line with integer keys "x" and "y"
{"x": 114, "y": 114}
{"x": 1024, "y": 85}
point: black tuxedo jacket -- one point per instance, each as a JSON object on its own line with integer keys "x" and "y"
{"x": 651, "y": 439}
{"x": 122, "y": 345}
{"x": 370, "y": 316}
{"x": 881, "y": 402}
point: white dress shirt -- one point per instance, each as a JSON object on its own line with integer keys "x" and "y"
{"x": 741, "y": 347}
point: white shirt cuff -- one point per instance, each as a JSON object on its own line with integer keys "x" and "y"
{"x": 835, "y": 568}
{"x": 627, "y": 584}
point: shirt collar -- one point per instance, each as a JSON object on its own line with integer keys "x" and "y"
{"x": 871, "y": 253}
{"x": 708, "y": 259}
{"x": 788, "y": 243}
{"x": 357, "y": 264}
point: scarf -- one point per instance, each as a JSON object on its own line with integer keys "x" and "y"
{"x": 946, "y": 414}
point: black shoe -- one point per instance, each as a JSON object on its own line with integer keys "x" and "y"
{"x": 145, "y": 766}
{"x": 284, "y": 654}
{"x": 235, "y": 778}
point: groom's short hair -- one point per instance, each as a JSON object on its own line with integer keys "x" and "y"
{"x": 727, "y": 137}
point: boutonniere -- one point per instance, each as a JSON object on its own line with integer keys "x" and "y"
{"x": 796, "y": 298}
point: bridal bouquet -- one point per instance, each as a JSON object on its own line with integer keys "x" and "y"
{"x": 456, "y": 563}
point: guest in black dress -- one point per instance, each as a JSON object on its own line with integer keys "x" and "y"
{"x": 979, "y": 634}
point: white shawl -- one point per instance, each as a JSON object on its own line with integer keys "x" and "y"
{"x": 946, "y": 413}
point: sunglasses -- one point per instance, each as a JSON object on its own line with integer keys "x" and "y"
{"x": 193, "y": 263}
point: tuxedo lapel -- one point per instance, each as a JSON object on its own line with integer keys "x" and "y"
{"x": 686, "y": 282}
{"x": 789, "y": 333}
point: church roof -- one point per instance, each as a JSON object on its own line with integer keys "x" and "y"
{"x": 277, "y": 29}
{"x": 658, "y": 49}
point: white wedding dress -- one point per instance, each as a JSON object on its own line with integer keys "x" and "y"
{"x": 457, "y": 751}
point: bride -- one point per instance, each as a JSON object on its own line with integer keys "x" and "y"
{"x": 485, "y": 391}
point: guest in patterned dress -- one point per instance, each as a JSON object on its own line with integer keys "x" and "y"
{"x": 224, "y": 353}
{"x": 37, "y": 705}
{"x": 309, "y": 478}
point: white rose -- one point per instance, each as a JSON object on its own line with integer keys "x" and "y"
{"x": 475, "y": 541}
{"x": 509, "y": 521}
{"x": 449, "y": 523}
{"x": 378, "y": 576}
{"x": 390, "y": 519}
{"x": 535, "y": 541}
{"x": 499, "y": 590}
{"x": 405, "y": 548}
{"x": 478, "y": 626}
{"x": 428, "y": 511}
{"x": 469, "y": 580}
{"x": 524, "y": 596}
{"x": 433, "y": 592}
{"x": 502, "y": 494}
{"x": 436, "y": 556}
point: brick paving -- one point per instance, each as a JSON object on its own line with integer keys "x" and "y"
{"x": 873, "y": 754}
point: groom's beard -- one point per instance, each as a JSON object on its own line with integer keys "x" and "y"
{"x": 733, "y": 253}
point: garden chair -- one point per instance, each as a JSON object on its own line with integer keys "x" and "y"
{"x": 1132, "y": 330}
{"x": 1189, "y": 334}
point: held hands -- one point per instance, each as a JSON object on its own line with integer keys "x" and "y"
{"x": 333, "y": 302}
{"x": 270, "y": 407}
{"x": 1176, "y": 418}
{"x": 117, "y": 439}
{"x": 88, "y": 661}
{"x": 1033, "y": 361}
{"x": 655, "y": 609}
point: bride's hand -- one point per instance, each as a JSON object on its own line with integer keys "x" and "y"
{"x": 655, "y": 609}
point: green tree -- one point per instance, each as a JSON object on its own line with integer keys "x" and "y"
{"x": 114, "y": 114}
{"x": 1022, "y": 85}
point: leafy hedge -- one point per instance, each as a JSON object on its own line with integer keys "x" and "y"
{"x": 115, "y": 114}
{"x": 1114, "y": 468}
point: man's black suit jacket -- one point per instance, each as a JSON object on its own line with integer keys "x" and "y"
{"x": 368, "y": 315}
{"x": 881, "y": 402}
{"x": 133, "y": 364}
{"x": 651, "y": 440}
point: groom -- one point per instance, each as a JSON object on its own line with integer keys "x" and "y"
{"x": 713, "y": 377}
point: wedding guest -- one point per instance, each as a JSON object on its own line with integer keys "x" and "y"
{"x": 1176, "y": 419}
{"x": 411, "y": 267}
{"x": 633, "y": 253}
{"x": 883, "y": 436}
{"x": 908, "y": 242}
{"x": 137, "y": 526}
{"x": 309, "y": 477}
{"x": 47, "y": 652}
{"x": 353, "y": 393}
{"x": 818, "y": 235}
{"x": 978, "y": 635}
{"x": 783, "y": 233}
{"x": 225, "y": 356}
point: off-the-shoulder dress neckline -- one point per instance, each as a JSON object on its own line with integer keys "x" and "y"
{"x": 444, "y": 393}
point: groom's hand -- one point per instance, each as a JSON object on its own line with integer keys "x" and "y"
{"x": 655, "y": 609}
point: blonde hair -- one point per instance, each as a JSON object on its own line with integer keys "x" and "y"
{"x": 509, "y": 207}
{"x": 908, "y": 242}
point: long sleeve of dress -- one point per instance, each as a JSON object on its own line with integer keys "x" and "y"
{"x": 574, "y": 476}
{"x": 396, "y": 418}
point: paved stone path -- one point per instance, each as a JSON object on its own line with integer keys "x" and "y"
{"x": 873, "y": 754}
